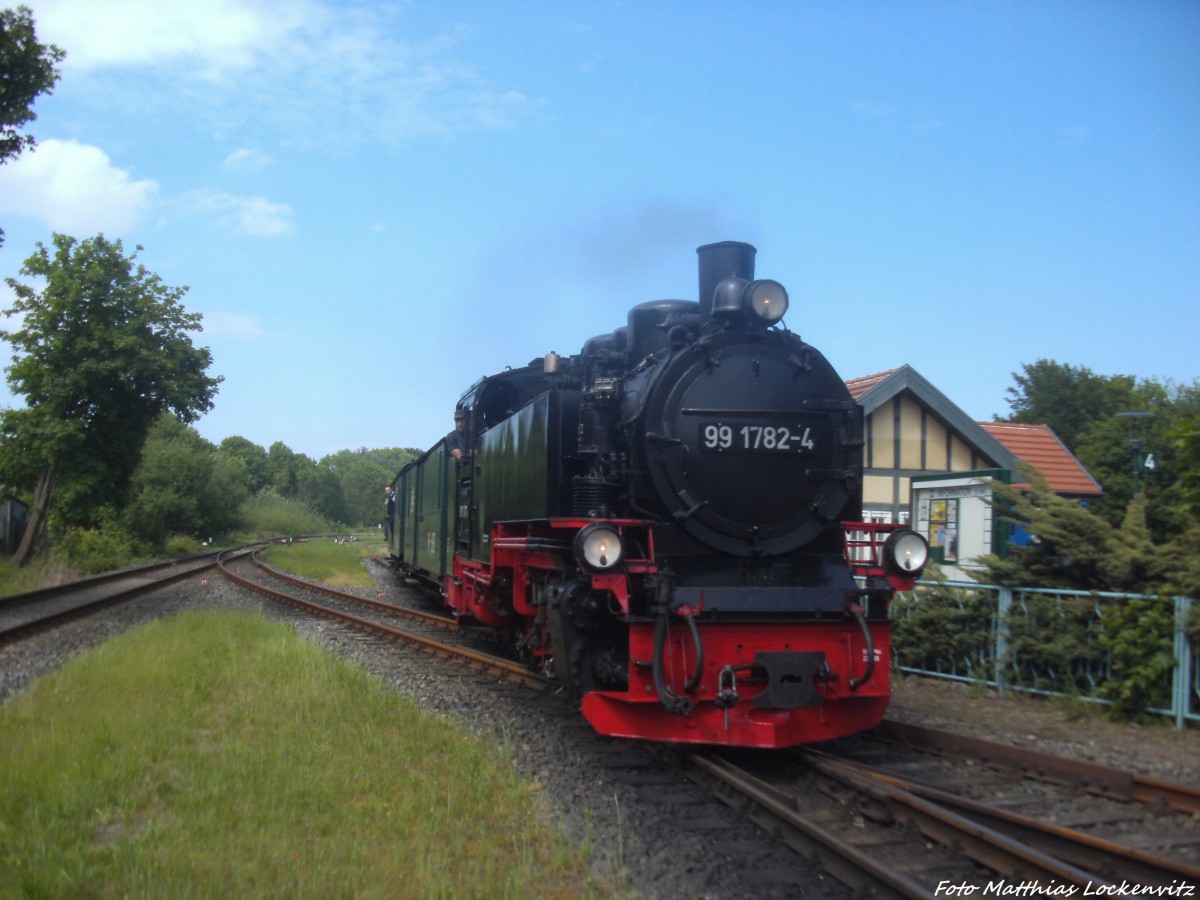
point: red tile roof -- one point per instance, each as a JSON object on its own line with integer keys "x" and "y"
{"x": 859, "y": 386}
{"x": 1040, "y": 447}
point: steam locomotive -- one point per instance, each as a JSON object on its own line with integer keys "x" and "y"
{"x": 666, "y": 524}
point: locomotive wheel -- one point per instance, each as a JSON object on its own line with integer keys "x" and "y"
{"x": 587, "y": 656}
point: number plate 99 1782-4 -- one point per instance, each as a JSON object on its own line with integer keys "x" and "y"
{"x": 720, "y": 436}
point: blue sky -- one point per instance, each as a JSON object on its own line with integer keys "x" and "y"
{"x": 375, "y": 203}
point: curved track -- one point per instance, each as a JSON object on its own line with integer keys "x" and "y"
{"x": 25, "y": 614}
{"x": 416, "y": 633}
{"x": 902, "y": 811}
{"x": 898, "y": 835}
{"x": 872, "y": 829}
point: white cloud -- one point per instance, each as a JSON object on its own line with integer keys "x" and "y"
{"x": 74, "y": 188}
{"x": 308, "y": 70}
{"x": 248, "y": 215}
{"x": 213, "y": 36}
{"x": 246, "y": 160}
{"x": 236, "y": 325}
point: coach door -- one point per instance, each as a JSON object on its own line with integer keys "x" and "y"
{"x": 465, "y": 518}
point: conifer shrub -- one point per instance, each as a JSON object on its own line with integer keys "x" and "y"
{"x": 942, "y": 629}
{"x": 1054, "y": 644}
{"x": 1138, "y": 634}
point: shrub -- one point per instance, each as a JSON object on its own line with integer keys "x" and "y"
{"x": 99, "y": 549}
{"x": 182, "y": 545}
{"x": 1053, "y": 645}
{"x": 1138, "y": 635}
{"x": 942, "y": 629}
{"x": 268, "y": 514}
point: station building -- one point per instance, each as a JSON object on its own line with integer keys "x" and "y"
{"x": 927, "y": 464}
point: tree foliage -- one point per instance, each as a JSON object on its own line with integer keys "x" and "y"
{"x": 1069, "y": 545}
{"x": 251, "y": 457}
{"x": 102, "y": 350}
{"x": 1067, "y": 398}
{"x": 1062, "y": 644}
{"x": 27, "y": 70}
{"x": 184, "y": 485}
{"x": 1185, "y": 438}
{"x": 362, "y": 474}
{"x": 1084, "y": 409}
{"x": 186, "y": 489}
{"x": 1137, "y": 634}
{"x": 1073, "y": 548}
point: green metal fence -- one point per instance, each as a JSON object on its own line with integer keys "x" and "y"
{"x": 1125, "y": 649}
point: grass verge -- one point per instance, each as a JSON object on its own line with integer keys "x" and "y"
{"x": 216, "y": 754}
{"x": 41, "y": 573}
{"x": 338, "y": 565}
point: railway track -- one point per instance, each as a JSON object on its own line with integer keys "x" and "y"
{"x": 900, "y": 812}
{"x": 1080, "y": 775}
{"x": 877, "y": 831}
{"x": 892, "y": 835}
{"x": 22, "y": 615}
{"x": 376, "y": 618}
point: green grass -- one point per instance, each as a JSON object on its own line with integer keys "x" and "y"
{"x": 338, "y": 565}
{"x": 17, "y": 581}
{"x": 215, "y": 754}
{"x": 38, "y": 574}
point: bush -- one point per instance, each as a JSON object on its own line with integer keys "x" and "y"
{"x": 1117, "y": 649}
{"x": 267, "y": 514}
{"x": 92, "y": 550}
{"x": 1138, "y": 635}
{"x": 942, "y": 629}
{"x": 1053, "y": 643}
{"x": 182, "y": 545}
{"x": 1192, "y": 627}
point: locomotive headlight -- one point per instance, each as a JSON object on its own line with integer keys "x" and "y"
{"x": 905, "y": 553}
{"x": 598, "y": 547}
{"x": 766, "y": 301}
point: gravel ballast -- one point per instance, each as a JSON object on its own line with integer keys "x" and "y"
{"x": 652, "y": 837}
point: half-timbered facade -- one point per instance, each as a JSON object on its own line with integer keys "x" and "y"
{"x": 912, "y": 429}
{"x": 929, "y": 465}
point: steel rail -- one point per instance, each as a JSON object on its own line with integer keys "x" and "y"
{"x": 506, "y": 668}
{"x": 106, "y": 590}
{"x": 985, "y": 845}
{"x": 843, "y": 861}
{"x": 58, "y": 590}
{"x": 1117, "y": 861}
{"x": 1091, "y": 777}
{"x": 416, "y": 614}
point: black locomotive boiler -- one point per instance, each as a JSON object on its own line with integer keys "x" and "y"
{"x": 667, "y": 524}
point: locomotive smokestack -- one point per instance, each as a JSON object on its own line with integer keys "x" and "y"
{"x": 726, "y": 259}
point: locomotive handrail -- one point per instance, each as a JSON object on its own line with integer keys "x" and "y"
{"x": 856, "y": 683}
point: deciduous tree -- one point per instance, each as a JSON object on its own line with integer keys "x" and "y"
{"x": 1067, "y": 398}
{"x": 183, "y": 486}
{"x": 362, "y": 474}
{"x": 103, "y": 349}
{"x": 27, "y": 69}
{"x": 1084, "y": 409}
